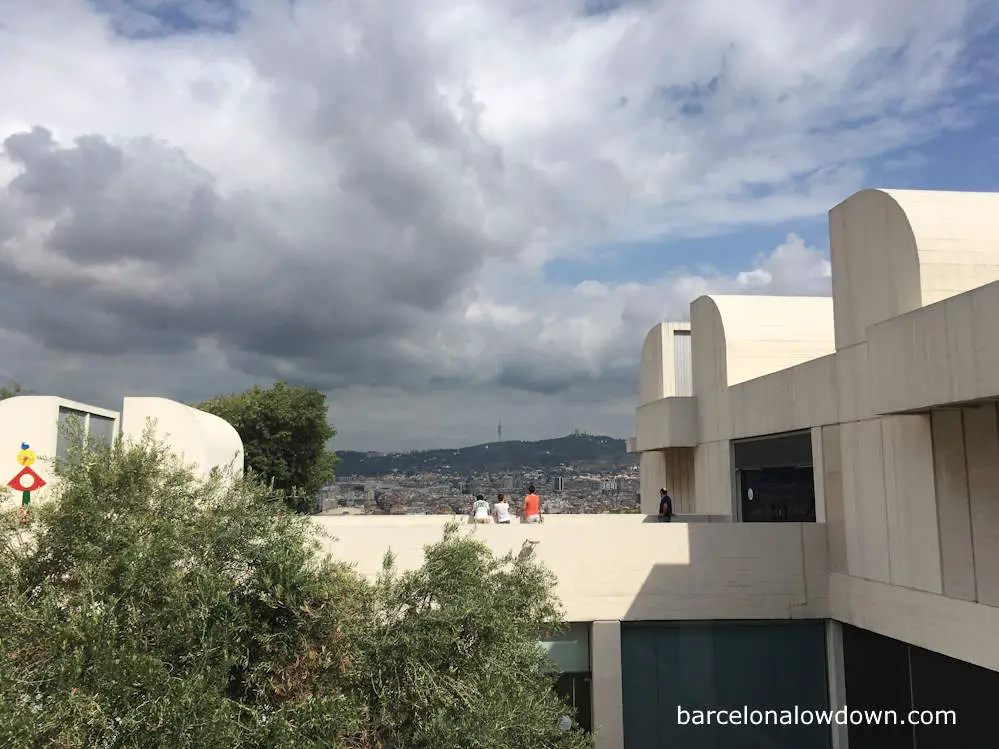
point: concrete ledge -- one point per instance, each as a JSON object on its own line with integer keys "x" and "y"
{"x": 795, "y": 398}
{"x": 943, "y": 354}
{"x": 620, "y": 567}
{"x": 959, "y": 629}
{"x": 667, "y": 422}
{"x": 330, "y": 519}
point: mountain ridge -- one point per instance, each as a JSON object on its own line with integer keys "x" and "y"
{"x": 579, "y": 451}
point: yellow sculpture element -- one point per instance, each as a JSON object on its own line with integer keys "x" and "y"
{"x": 26, "y": 457}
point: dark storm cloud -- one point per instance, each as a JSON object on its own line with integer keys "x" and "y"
{"x": 554, "y": 376}
{"x": 522, "y": 377}
{"x": 145, "y": 255}
{"x": 53, "y": 176}
{"x": 151, "y": 204}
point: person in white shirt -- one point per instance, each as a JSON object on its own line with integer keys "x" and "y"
{"x": 480, "y": 510}
{"x": 502, "y": 510}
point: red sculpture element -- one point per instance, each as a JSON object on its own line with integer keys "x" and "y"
{"x": 26, "y": 481}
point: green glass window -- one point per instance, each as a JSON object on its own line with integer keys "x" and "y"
{"x": 569, "y": 649}
{"x": 673, "y": 673}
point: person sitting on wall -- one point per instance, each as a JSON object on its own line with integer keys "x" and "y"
{"x": 480, "y": 510}
{"x": 665, "y": 506}
{"x": 532, "y": 506}
{"x": 502, "y": 510}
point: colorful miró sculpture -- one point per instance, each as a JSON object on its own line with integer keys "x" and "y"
{"x": 26, "y": 481}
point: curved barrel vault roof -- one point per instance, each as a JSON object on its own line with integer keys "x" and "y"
{"x": 741, "y": 337}
{"x": 894, "y": 251}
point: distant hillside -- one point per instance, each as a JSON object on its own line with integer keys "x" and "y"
{"x": 583, "y": 452}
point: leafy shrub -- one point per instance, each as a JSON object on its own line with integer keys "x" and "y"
{"x": 145, "y": 608}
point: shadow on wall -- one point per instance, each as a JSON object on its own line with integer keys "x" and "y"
{"x": 737, "y": 571}
{"x": 743, "y": 625}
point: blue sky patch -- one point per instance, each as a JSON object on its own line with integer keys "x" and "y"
{"x": 964, "y": 159}
{"x": 151, "y": 19}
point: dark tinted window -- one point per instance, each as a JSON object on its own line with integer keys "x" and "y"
{"x": 101, "y": 429}
{"x": 722, "y": 666}
{"x": 70, "y": 420}
{"x": 886, "y": 674}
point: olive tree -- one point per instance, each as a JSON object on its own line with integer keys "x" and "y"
{"x": 146, "y": 607}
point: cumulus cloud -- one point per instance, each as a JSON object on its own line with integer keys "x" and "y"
{"x": 363, "y": 197}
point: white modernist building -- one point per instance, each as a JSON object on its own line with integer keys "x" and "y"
{"x": 835, "y": 466}
{"x": 201, "y": 439}
{"x": 846, "y": 452}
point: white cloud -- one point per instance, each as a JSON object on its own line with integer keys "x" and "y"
{"x": 366, "y": 194}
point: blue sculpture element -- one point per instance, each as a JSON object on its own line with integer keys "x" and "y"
{"x": 25, "y": 446}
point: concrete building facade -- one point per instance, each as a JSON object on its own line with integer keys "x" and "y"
{"x": 850, "y": 446}
{"x": 873, "y": 414}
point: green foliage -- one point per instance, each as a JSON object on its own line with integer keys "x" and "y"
{"x": 284, "y": 432}
{"x": 11, "y": 390}
{"x": 147, "y": 608}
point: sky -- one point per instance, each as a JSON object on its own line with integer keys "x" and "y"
{"x": 450, "y": 212}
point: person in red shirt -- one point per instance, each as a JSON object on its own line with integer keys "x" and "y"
{"x": 532, "y": 506}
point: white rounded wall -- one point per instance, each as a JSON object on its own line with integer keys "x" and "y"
{"x": 201, "y": 439}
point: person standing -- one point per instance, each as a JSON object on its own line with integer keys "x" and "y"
{"x": 532, "y": 506}
{"x": 665, "y": 506}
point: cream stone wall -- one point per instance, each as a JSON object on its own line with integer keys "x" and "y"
{"x": 950, "y": 473}
{"x": 652, "y": 476}
{"x": 785, "y": 401}
{"x": 831, "y": 480}
{"x": 608, "y": 698}
{"x": 665, "y": 423}
{"x": 631, "y": 569}
{"x": 910, "y": 498}
{"x": 944, "y": 353}
{"x": 981, "y": 444}
{"x": 673, "y": 469}
{"x": 896, "y": 377}
{"x": 680, "y": 480}
{"x": 713, "y": 478}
